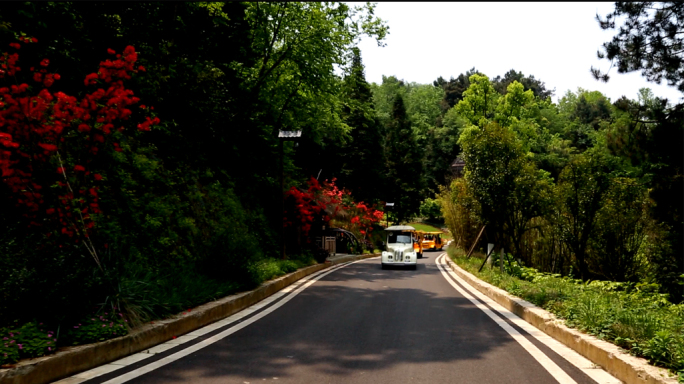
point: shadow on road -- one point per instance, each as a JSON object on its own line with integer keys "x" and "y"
{"x": 359, "y": 319}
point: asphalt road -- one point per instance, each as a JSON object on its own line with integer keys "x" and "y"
{"x": 362, "y": 324}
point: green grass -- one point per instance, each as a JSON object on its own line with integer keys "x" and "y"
{"x": 430, "y": 228}
{"x": 642, "y": 322}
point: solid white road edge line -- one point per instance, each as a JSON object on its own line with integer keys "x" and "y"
{"x": 205, "y": 343}
{"x": 109, "y": 367}
{"x": 595, "y": 372}
{"x": 560, "y": 375}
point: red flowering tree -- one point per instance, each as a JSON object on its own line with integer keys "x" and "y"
{"x": 330, "y": 203}
{"x": 53, "y": 145}
{"x": 312, "y": 204}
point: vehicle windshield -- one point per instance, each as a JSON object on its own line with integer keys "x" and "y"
{"x": 398, "y": 237}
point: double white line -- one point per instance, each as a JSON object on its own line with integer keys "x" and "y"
{"x": 289, "y": 292}
{"x": 595, "y": 373}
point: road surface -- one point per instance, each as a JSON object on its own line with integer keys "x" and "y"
{"x": 357, "y": 323}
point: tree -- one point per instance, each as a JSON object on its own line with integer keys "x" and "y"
{"x": 621, "y": 226}
{"x": 649, "y": 135}
{"x": 537, "y": 87}
{"x": 580, "y": 194}
{"x": 403, "y": 162}
{"x": 362, "y": 171}
{"x": 508, "y": 188}
{"x": 479, "y": 101}
{"x": 454, "y": 88}
{"x": 651, "y": 40}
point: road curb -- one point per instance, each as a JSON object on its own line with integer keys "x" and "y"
{"x": 72, "y": 360}
{"x": 625, "y": 367}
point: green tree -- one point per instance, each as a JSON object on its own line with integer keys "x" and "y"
{"x": 362, "y": 171}
{"x": 648, "y": 134}
{"x": 479, "y": 101}
{"x": 454, "y": 88}
{"x": 621, "y": 226}
{"x": 509, "y": 189}
{"x": 580, "y": 194}
{"x": 403, "y": 163}
{"x": 537, "y": 87}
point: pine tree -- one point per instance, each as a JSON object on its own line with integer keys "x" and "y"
{"x": 362, "y": 169}
{"x": 404, "y": 163}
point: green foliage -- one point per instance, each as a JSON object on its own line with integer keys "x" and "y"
{"x": 27, "y": 340}
{"x": 632, "y": 316}
{"x": 537, "y": 87}
{"x": 580, "y": 194}
{"x": 431, "y": 209}
{"x": 460, "y": 211}
{"x": 359, "y": 157}
{"x": 96, "y": 327}
{"x": 621, "y": 226}
{"x": 403, "y": 163}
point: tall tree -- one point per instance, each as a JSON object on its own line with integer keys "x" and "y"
{"x": 403, "y": 162}
{"x": 362, "y": 170}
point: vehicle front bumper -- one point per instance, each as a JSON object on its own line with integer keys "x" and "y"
{"x": 413, "y": 259}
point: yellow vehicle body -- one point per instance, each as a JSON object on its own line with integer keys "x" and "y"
{"x": 432, "y": 241}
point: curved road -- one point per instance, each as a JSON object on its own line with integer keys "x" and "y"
{"x": 361, "y": 324}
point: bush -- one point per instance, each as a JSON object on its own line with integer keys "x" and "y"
{"x": 97, "y": 327}
{"x": 633, "y": 316}
{"x": 29, "y": 340}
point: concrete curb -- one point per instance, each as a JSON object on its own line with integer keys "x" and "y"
{"x": 625, "y": 367}
{"x": 72, "y": 360}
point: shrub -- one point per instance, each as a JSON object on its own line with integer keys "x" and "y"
{"x": 29, "y": 340}
{"x": 97, "y": 327}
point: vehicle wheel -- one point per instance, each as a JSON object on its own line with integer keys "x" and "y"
{"x": 415, "y": 266}
{"x": 383, "y": 266}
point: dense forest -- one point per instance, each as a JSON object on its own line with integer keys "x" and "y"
{"x": 142, "y": 169}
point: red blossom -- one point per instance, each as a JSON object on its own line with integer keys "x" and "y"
{"x": 35, "y": 127}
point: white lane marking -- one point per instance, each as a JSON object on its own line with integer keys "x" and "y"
{"x": 99, "y": 371}
{"x": 595, "y": 372}
{"x": 560, "y": 375}
{"x": 205, "y": 343}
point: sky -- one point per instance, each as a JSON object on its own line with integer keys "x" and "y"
{"x": 555, "y": 42}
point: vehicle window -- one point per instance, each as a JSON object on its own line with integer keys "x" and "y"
{"x": 394, "y": 238}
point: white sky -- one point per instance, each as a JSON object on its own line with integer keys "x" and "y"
{"x": 555, "y": 42}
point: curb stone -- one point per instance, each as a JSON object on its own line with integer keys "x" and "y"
{"x": 72, "y": 360}
{"x": 623, "y": 366}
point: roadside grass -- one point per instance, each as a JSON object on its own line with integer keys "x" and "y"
{"x": 137, "y": 297}
{"x": 429, "y": 228}
{"x": 634, "y": 318}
